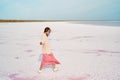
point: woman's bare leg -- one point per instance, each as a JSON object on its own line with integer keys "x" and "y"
{"x": 41, "y": 67}
{"x": 53, "y": 65}
{"x": 54, "y": 68}
{"x": 40, "y": 70}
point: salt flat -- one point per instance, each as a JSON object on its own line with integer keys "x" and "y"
{"x": 86, "y": 51}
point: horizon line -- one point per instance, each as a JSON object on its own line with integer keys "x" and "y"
{"x": 16, "y": 20}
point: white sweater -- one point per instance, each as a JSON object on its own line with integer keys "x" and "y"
{"x": 45, "y": 44}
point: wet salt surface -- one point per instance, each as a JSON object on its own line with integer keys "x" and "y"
{"x": 86, "y": 52}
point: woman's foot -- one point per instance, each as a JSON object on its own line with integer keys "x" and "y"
{"x": 55, "y": 69}
{"x": 40, "y": 71}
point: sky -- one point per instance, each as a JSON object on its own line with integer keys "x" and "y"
{"x": 60, "y": 9}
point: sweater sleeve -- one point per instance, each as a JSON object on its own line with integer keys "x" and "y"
{"x": 43, "y": 38}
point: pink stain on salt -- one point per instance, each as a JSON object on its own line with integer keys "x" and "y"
{"x": 80, "y": 78}
{"x": 29, "y": 50}
{"x": 12, "y": 75}
{"x": 32, "y": 55}
{"x": 105, "y": 51}
{"x": 15, "y": 77}
{"x": 100, "y": 51}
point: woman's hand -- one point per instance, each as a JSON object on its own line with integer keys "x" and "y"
{"x": 40, "y": 43}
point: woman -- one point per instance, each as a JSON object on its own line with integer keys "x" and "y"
{"x": 47, "y": 56}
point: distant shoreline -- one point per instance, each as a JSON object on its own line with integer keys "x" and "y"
{"x": 55, "y": 20}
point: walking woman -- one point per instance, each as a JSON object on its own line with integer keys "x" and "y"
{"x": 47, "y": 55}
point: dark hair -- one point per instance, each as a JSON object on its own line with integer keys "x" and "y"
{"x": 46, "y": 29}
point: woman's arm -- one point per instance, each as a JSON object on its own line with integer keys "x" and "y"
{"x": 42, "y": 42}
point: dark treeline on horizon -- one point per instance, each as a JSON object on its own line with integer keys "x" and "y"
{"x": 53, "y": 20}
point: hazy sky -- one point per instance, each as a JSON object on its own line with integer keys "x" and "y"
{"x": 60, "y": 9}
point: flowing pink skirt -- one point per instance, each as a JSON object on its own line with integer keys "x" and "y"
{"x": 48, "y": 59}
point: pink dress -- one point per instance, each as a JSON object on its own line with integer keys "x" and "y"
{"x": 47, "y": 56}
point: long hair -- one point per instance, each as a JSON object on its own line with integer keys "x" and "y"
{"x": 46, "y": 29}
